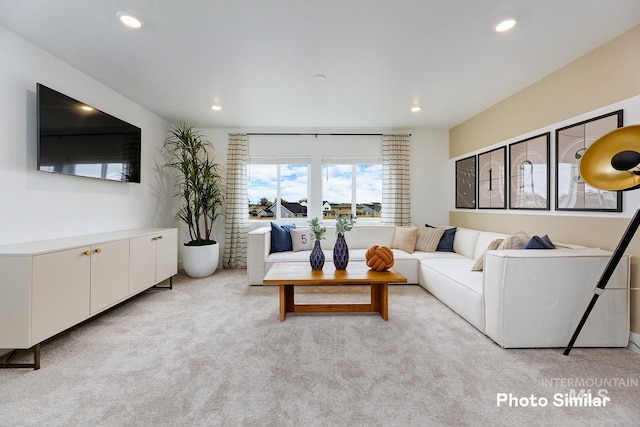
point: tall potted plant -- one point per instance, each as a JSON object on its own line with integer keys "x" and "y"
{"x": 199, "y": 188}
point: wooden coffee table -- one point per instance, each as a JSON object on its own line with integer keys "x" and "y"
{"x": 287, "y": 275}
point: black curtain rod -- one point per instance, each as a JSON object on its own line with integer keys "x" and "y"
{"x": 321, "y": 134}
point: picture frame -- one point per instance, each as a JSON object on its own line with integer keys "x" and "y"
{"x": 466, "y": 183}
{"x": 572, "y": 193}
{"x": 492, "y": 183}
{"x": 529, "y": 173}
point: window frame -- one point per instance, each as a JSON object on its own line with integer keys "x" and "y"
{"x": 278, "y": 199}
{"x": 314, "y": 150}
{"x": 328, "y": 161}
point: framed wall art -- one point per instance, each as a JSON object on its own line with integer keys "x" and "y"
{"x": 466, "y": 183}
{"x": 529, "y": 173}
{"x": 572, "y": 193}
{"x": 492, "y": 179}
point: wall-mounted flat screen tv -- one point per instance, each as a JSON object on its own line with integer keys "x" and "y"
{"x": 77, "y": 139}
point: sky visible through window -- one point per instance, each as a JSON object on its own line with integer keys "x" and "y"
{"x": 262, "y": 183}
{"x": 337, "y": 183}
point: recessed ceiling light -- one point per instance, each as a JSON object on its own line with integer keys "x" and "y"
{"x": 416, "y": 108}
{"x": 216, "y": 107}
{"x": 129, "y": 20}
{"x": 319, "y": 77}
{"x": 87, "y": 108}
{"x": 505, "y": 25}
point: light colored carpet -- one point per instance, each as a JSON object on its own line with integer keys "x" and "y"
{"x": 213, "y": 352}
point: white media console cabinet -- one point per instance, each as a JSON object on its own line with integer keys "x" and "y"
{"x": 49, "y": 286}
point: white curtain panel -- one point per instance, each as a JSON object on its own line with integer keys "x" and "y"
{"x": 396, "y": 180}
{"x": 237, "y": 209}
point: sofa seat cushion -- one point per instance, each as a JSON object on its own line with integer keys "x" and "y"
{"x": 437, "y": 255}
{"x": 292, "y": 256}
{"x": 400, "y": 254}
{"x": 458, "y": 270}
{"x": 455, "y": 285}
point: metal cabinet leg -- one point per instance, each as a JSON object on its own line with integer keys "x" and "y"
{"x": 36, "y": 360}
{"x": 164, "y": 288}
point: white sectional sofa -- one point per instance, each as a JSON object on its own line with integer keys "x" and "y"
{"x": 522, "y": 299}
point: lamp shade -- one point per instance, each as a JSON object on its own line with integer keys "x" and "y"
{"x": 609, "y": 163}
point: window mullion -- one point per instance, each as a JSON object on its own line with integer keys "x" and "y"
{"x": 353, "y": 189}
{"x": 278, "y": 204}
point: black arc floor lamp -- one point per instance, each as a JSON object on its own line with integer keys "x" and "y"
{"x": 611, "y": 163}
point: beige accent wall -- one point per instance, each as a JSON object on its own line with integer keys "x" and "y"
{"x": 608, "y": 74}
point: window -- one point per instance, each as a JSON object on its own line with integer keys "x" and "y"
{"x": 352, "y": 188}
{"x": 277, "y": 191}
{"x": 316, "y": 174}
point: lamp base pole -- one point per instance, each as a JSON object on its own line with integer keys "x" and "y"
{"x": 606, "y": 275}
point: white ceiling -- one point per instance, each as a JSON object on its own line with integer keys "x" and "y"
{"x": 257, "y": 57}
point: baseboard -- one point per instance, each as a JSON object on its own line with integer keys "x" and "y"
{"x": 634, "y": 342}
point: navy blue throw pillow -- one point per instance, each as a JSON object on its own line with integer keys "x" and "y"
{"x": 446, "y": 241}
{"x": 281, "y": 237}
{"x": 538, "y": 242}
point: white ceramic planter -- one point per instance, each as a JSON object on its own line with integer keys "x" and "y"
{"x": 200, "y": 261}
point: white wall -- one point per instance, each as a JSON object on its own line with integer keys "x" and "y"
{"x": 37, "y": 205}
{"x": 432, "y": 185}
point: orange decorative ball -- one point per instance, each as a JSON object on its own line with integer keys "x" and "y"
{"x": 379, "y": 258}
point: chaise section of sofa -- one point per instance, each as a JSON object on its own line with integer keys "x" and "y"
{"x": 530, "y": 298}
{"x": 535, "y": 298}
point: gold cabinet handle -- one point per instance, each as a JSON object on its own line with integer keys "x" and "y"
{"x": 153, "y": 239}
{"x": 98, "y": 250}
{"x": 160, "y": 237}
{"x": 86, "y": 253}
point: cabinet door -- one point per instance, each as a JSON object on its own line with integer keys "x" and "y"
{"x": 143, "y": 263}
{"x": 61, "y": 291}
{"x": 167, "y": 255}
{"x": 109, "y": 274}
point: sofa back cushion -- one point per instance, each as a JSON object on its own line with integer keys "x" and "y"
{"x": 365, "y": 236}
{"x": 465, "y": 242}
{"x": 483, "y": 241}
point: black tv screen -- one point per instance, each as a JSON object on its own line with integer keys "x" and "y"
{"x": 77, "y": 139}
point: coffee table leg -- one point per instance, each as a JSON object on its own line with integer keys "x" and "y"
{"x": 287, "y": 301}
{"x": 384, "y": 301}
{"x": 283, "y": 302}
{"x": 375, "y": 297}
{"x": 380, "y": 299}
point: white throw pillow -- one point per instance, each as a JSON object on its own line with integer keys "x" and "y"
{"x": 301, "y": 239}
